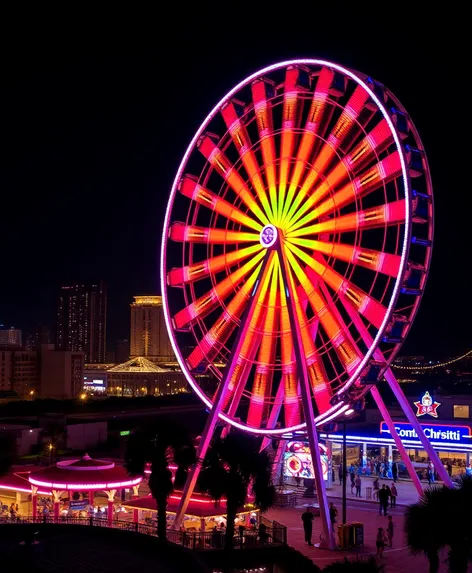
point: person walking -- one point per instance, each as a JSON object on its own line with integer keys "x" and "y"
{"x": 395, "y": 472}
{"x": 449, "y": 468}
{"x": 333, "y": 513}
{"x": 353, "y": 481}
{"x": 376, "y": 485}
{"x": 390, "y": 530}
{"x": 380, "y": 542}
{"x": 383, "y": 500}
{"x": 358, "y": 483}
{"x": 393, "y": 495}
{"x": 307, "y": 519}
{"x": 340, "y": 474}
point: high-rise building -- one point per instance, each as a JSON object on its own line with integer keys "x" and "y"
{"x": 10, "y": 337}
{"x": 149, "y": 337}
{"x": 81, "y": 320}
{"x": 37, "y": 336}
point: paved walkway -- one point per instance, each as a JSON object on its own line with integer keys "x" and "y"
{"x": 406, "y": 490}
{"x": 396, "y": 559}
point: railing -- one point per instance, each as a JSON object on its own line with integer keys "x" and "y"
{"x": 276, "y": 534}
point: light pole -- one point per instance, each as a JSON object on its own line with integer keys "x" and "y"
{"x": 344, "y": 472}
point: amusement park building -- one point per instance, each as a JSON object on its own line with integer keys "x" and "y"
{"x": 446, "y": 421}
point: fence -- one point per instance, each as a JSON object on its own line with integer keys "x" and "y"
{"x": 272, "y": 534}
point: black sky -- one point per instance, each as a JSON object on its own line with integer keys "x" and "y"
{"x": 96, "y": 115}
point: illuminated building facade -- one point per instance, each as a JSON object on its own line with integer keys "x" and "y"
{"x": 149, "y": 337}
{"x": 81, "y": 320}
{"x": 141, "y": 377}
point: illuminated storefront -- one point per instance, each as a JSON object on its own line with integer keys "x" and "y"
{"x": 453, "y": 442}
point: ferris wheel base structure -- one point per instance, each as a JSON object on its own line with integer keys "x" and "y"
{"x": 296, "y": 247}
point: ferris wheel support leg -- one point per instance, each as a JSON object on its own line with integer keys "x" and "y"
{"x": 398, "y": 442}
{"x": 218, "y": 402}
{"x": 328, "y": 541}
{"x": 405, "y": 406}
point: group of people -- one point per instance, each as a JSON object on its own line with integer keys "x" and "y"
{"x": 372, "y": 467}
{"x": 384, "y": 537}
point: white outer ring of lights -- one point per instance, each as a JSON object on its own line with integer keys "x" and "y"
{"x": 337, "y": 409}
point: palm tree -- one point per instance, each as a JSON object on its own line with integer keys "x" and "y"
{"x": 437, "y": 521}
{"x": 160, "y": 446}
{"x": 230, "y": 467}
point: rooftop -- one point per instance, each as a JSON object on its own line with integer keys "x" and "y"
{"x": 139, "y": 364}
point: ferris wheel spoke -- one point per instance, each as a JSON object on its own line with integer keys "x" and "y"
{"x": 182, "y": 233}
{"x": 230, "y": 174}
{"x": 317, "y": 376}
{"x": 365, "y": 151}
{"x": 371, "y": 309}
{"x": 242, "y": 142}
{"x": 218, "y": 335}
{"x": 262, "y": 92}
{"x": 342, "y": 128}
{"x": 331, "y": 305}
{"x": 333, "y": 328}
{"x": 381, "y": 173}
{"x": 385, "y": 263}
{"x": 252, "y": 338}
{"x": 313, "y": 126}
{"x": 264, "y": 372}
{"x": 191, "y": 189}
{"x": 295, "y": 77}
{"x": 191, "y": 273}
{"x": 206, "y": 303}
{"x": 391, "y": 213}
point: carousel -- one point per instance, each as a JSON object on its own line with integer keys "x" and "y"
{"x": 73, "y": 479}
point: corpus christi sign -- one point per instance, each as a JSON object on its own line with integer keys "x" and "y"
{"x": 437, "y": 433}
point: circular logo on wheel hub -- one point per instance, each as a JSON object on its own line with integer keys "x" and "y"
{"x": 268, "y": 236}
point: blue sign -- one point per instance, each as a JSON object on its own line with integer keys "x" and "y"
{"x": 78, "y": 505}
{"x": 436, "y": 433}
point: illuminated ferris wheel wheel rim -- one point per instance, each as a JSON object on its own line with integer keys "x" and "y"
{"x": 340, "y": 407}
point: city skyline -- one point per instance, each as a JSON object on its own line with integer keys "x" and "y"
{"x": 107, "y": 131}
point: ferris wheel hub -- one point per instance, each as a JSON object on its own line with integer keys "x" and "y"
{"x": 268, "y": 236}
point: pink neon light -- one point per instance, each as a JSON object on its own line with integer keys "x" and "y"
{"x": 81, "y": 486}
{"x": 338, "y": 408}
{"x": 22, "y": 489}
{"x": 206, "y": 501}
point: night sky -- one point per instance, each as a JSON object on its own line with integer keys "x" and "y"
{"x": 96, "y": 117}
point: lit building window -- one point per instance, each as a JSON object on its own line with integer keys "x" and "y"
{"x": 461, "y": 411}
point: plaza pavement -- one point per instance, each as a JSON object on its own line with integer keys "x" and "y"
{"x": 396, "y": 559}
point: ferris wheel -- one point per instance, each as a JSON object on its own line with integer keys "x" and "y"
{"x": 296, "y": 247}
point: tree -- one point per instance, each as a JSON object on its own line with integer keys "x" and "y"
{"x": 160, "y": 445}
{"x": 438, "y": 521}
{"x": 232, "y": 465}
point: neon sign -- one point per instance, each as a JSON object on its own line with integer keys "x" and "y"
{"x": 427, "y": 406}
{"x": 434, "y": 432}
